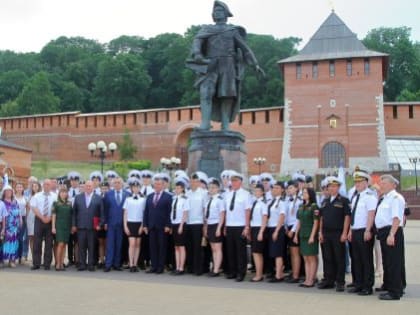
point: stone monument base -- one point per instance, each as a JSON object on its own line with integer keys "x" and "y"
{"x": 214, "y": 151}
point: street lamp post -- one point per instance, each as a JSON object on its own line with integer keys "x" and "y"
{"x": 170, "y": 164}
{"x": 102, "y": 150}
{"x": 259, "y": 161}
{"x": 414, "y": 161}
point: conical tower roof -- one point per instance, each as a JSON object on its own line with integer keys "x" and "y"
{"x": 333, "y": 40}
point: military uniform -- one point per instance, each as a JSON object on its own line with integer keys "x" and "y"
{"x": 333, "y": 213}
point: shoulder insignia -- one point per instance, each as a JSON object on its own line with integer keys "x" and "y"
{"x": 220, "y": 197}
{"x": 184, "y": 197}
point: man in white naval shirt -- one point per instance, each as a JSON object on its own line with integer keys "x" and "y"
{"x": 238, "y": 205}
{"x": 41, "y": 204}
{"x": 197, "y": 198}
{"x": 363, "y": 205}
{"x": 389, "y": 224}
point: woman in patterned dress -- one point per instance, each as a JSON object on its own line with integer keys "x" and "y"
{"x": 12, "y": 226}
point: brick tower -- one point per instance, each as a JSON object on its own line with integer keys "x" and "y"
{"x": 334, "y": 103}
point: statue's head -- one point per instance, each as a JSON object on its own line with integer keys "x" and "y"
{"x": 221, "y": 11}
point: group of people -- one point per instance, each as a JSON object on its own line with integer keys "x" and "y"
{"x": 203, "y": 226}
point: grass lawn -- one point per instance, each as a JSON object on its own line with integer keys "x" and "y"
{"x": 47, "y": 169}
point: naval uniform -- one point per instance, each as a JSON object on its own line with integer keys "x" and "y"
{"x": 362, "y": 204}
{"x": 391, "y": 206}
{"x": 258, "y": 211}
{"x": 134, "y": 206}
{"x": 194, "y": 229}
{"x": 180, "y": 205}
{"x": 237, "y": 204}
{"x": 333, "y": 213}
{"x": 215, "y": 206}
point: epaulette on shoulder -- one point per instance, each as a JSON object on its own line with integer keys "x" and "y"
{"x": 220, "y": 197}
{"x": 183, "y": 196}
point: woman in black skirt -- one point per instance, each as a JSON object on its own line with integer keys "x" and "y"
{"x": 276, "y": 231}
{"x": 133, "y": 217}
{"x": 214, "y": 221}
{"x": 259, "y": 220}
{"x": 179, "y": 215}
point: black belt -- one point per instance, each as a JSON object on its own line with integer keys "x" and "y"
{"x": 384, "y": 228}
{"x": 358, "y": 230}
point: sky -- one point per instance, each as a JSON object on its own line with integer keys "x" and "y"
{"x": 28, "y": 25}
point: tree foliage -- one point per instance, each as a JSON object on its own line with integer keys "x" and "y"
{"x": 131, "y": 72}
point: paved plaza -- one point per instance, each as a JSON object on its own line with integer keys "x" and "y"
{"x": 49, "y": 292}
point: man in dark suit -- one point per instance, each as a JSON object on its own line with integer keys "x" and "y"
{"x": 114, "y": 214}
{"x": 87, "y": 211}
{"x": 157, "y": 222}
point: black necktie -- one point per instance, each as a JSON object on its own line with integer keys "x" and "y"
{"x": 144, "y": 191}
{"x": 135, "y": 197}
{"x": 208, "y": 208}
{"x": 74, "y": 192}
{"x": 252, "y": 209}
{"x": 353, "y": 213}
{"x": 174, "y": 209}
{"x": 376, "y": 210}
{"x": 269, "y": 207}
{"x": 232, "y": 202}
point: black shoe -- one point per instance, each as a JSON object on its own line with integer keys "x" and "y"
{"x": 303, "y": 285}
{"x": 258, "y": 280}
{"x": 365, "y": 292}
{"x": 381, "y": 289}
{"x": 339, "y": 288}
{"x": 81, "y": 269}
{"x": 117, "y": 268}
{"x": 231, "y": 276}
{"x": 293, "y": 280}
{"x": 325, "y": 285}
{"x": 91, "y": 269}
{"x": 388, "y": 297}
{"x": 354, "y": 290}
{"x": 151, "y": 271}
{"x": 212, "y": 274}
{"x": 34, "y": 267}
{"x": 240, "y": 278}
{"x": 101, "y": 265}
{"x": 107, "y": 269}
{"x": 350, "y": 285}
{"x": 275, "y": 280}
{"x": 47, "y": 268}
{"x": 179, "y": 272}
{"x": 158, "y": 272}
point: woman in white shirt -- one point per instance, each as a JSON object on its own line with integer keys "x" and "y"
{"x": 214, "y": 220}
{"x": 259, "y": 218}
{"x": 133, "y": 218}
{"x": 179, "y": 215}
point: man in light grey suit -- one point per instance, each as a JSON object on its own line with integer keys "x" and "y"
{"x": 87, "y": 208}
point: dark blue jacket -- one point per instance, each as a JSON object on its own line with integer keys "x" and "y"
{"x": 158, "y": 216}
{"x": 114, "y": 213}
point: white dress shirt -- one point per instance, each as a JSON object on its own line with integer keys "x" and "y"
{"x": 392, "y": 206}
{"x": 242, "y": 202}
{"x": 367, "y": 203}
{"x": 38, "y": 201}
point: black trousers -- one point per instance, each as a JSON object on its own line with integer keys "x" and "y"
{"x": 236, "y": 250}
{"x": 195, "y": 254}
{"x": 70, "y": 248}
{"x": 334, "y": 255}
{"x": 393, "y": 261}
{"x": 362, "y": 260}
{"x": 158, "y": 241}
{"x": 87, "y": 243}
{"x": 42, "y": 231}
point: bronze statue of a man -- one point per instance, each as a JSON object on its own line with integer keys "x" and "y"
{"x": 219, "y": 54}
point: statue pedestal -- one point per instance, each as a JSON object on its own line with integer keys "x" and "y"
{"x": 214, "y": 151}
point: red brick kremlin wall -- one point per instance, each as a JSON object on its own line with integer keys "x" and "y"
{"x": 165, "y": 132}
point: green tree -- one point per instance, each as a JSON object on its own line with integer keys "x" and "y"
{"x": 127, "y": 148}
{"x": 37, "y": 96}
{"x": 11, "y": 84}
{"x": 10, "y": 108}
{"x": 403, "y": 58}
{"x": 122, "y": 83}
{"x": 127, "y": 44}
